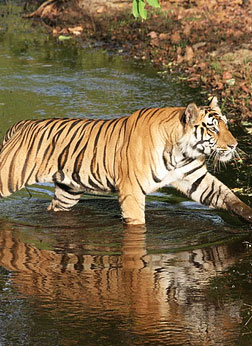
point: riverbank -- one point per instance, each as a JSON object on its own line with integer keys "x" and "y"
{"x": 205, "y": 45}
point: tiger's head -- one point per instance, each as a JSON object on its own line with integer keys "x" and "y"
{"x": 206, "y": 132}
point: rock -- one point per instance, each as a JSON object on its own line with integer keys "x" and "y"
{"x": 238, "y": 57}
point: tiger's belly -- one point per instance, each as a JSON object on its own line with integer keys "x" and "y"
{"x": 88, "y": 182}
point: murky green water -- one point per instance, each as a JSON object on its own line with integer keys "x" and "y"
{"x": 80, "y": 278}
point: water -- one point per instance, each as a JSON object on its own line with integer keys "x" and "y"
{"x": 80, "y": 278}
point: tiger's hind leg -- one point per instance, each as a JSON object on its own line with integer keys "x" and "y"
{"x": 64, "y": 198}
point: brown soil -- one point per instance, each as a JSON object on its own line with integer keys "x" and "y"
{"x": 208, "y": 42}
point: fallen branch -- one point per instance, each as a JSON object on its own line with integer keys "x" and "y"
{"x": 39, "y": 11}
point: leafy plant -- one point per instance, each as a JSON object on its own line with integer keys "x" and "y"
{"x": 139, "y": 10}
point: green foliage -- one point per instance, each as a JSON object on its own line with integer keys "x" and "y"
{"x": 139, "y": 10}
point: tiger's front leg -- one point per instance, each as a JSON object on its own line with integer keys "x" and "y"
{"x": 132, "y": 203}
{"x": 64, "y": 198}
{"x": 208, "y": 190}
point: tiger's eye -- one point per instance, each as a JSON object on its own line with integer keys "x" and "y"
{"x": 213, "y": 129}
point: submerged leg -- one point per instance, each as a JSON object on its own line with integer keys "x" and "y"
{"x": 132, "y": 206}
{"x": 64, "y": 198}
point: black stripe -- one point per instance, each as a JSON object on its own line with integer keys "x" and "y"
{"x": 109, "y": 123}
{"x": 187, "y": 160}
{"x": 10, "y": 186}
{"x": 24, "y": 169}
{"x": 95, "y": 177}
{"x": 154, "y": 112}
{"x": 72, "y": 197}
{"x": 79, "y": 159}
{"x": 200, "y": 142}
{"x": 63, "y": 122}
{"x": 194, "y": 170}
{"x": 58, "y": 176}
{"x": 110, "y": 186}
{"x": 202, "y": 133}
{"x": 140, "y": 185}
{"x": 93, "y": 184}
{"x": 202, "y": 194}
{"x": 52, "y": 127}
{"x": 142, "y": 111}
{"x": 31, "y": 137}
{"x": 171, "y": 163}
{"x": 92, "y": 164}
{"x": 81, "y": 135}
{"x": 53, "y": 144}
{"x": 63, "y": 157}
{"x": 62, "y": 202}
{"x": 122, "y": 128}
{"x": 98, "y": 134}
{"x": 42, "y": 137}
{"x": 68, "y": 189}
{"x": 31, "y": 172}
{"x": 155, "y": 178}
{"x": 97, "y": 172}
{"x": 206, "y": 200}
{"x": 165, "y": 161}
{"x": 195, "y": 130}
{"x": 196, "y": 184}
{"x": 114, "y": 127}
{"x": 76, "y": 178}
{"x": 73, "y": 124}
{"x": 140, "y": 114}
{"x": 211, "y": 198}
{"x": 218, "y": 196}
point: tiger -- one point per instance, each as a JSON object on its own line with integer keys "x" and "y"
{"x": 133, "y": 155}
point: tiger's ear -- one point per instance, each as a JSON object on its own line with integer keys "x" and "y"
{"x": 191, "y": 114}
{"x": 213, "y": 102}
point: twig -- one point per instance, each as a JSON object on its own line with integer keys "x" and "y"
{"x": 38, "y": 11}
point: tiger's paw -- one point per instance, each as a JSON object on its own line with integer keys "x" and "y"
{"x": 134, "y": 222}
{"x": 243, "y": 211}
{"x": 54, "y": 206}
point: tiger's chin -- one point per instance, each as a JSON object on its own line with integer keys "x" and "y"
{"x": 224, "y": 156}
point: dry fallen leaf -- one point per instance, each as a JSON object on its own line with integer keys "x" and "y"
{"x": 187, "y": 30}
{"x": 152, "y": 34}
{"x": 77, "y": 30}
{"x": 244, "y": 88}
{"x": 55, "y": 32}
{"x": 180, "y": 59}
{"x": 175, "y": 38}
{"x": 154, "y": 42}
{"x": 227, "y": 75}
{"x": 188, "y": 53}
{"x": 163, "y": 36}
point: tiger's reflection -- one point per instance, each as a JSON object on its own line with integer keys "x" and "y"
{"x": 163, "y": 295}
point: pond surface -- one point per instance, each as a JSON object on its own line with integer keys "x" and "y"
{"x": 80, "y": 278}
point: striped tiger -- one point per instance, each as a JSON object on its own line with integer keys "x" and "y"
{"x": 133, "y": 156}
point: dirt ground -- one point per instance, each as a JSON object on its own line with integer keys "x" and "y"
{"x": 209, "y": 43}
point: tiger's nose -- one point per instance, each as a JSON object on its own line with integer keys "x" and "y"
{"x": 232, "y": 146}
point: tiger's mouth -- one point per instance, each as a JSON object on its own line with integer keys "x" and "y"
{"x": 224, "y": 155}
